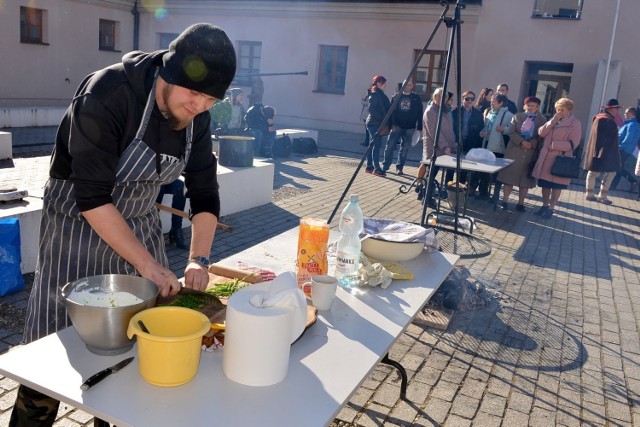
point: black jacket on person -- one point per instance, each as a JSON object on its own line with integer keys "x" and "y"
{"x": 511, "y": 106}
{"x": 408, "y": 112}
{"x": 379, "y": 105}
{"x": 256, "y": 119}
{"x": 476, "y": 124}
{"x": 102, "y": 121}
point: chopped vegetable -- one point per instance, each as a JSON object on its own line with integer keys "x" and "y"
{"x": 188, "y": 301}
{"x": 227, "y": 289}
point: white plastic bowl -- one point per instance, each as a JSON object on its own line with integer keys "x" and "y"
{"x": 384, "y": 250}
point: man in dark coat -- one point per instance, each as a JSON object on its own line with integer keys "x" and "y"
{"x": 471, "y": 122}
{"x": 601, "y": 154}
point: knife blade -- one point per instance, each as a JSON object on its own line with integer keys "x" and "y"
{"x": 96, "y": 378}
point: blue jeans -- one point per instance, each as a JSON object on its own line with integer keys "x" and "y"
{"x": 176, "y": 188}
{"x": 404, "y": 135}
{"x": 373, "y": 157}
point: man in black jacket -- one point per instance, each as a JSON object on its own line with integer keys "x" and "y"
{"x": 471, "y": 124}
{"x": 503, "y": 89}
{"x": 406, "y": 119}
{"x": 131, "y": 128}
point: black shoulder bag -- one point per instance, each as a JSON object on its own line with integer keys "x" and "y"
{"x": 566, "y": 166}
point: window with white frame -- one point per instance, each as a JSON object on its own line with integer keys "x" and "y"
{"x": 108, "y": 35}
{"x": 249, "y": 54}
{"x": 33, "y": 25}
{"x": 557, "y": 9}
{"x": 332, "y": 69}
{"x": 430, "y": 72}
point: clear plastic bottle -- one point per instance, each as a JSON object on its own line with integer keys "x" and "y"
{"x": 348, "y": 250}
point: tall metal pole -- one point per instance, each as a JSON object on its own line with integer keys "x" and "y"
{"x": 385, "y": 120}
{"x": 613, "y": 37}
{"x": 136, "y": 24}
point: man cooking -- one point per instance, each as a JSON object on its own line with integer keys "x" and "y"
{"x": 130, "y": 128}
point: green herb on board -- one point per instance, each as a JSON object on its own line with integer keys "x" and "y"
{"x": 227, "y": 289}
{"x": 187, "y": 301}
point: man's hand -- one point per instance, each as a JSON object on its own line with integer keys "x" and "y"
{"x": 196, "y": 276}
{"x": 164, "y": 279}
{"x": 108, "y": 222}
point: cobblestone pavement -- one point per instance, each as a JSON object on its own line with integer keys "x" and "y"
{"x": 557, "y": 342}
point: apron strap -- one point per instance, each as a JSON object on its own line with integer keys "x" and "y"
{"x": 151, "y": 101}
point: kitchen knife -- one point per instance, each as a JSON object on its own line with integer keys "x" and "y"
{"x": 95, "y": 379}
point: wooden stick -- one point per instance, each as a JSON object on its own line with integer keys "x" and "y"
{"x": 235, "y": 273}
{"x": 220, "y": 226}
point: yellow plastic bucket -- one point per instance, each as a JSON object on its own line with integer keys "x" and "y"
{"x": 170, "y": 354}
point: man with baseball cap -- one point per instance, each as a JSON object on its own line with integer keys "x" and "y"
{"x": 130, "y": 128}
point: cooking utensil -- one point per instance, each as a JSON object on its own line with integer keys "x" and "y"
{"x": 385, "y": 250}
{"x": 96, "y": 378}
{"x": 171, "y": 355}
{"x": 143, "y": 327}
{"x": 104, "y": 329}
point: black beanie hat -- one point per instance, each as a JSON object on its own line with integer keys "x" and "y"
{"x": 202, "y": 58}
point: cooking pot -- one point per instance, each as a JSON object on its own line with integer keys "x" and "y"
{"x": 235, "y": 150}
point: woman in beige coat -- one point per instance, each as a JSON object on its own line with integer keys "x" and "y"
{"x": 522, "y": 149}
{"x": 561, "y": 136}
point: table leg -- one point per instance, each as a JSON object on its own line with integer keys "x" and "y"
{"x": 97, "y": 422}
{"x": 403, "y": 375}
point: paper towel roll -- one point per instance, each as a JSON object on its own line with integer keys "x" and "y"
{"x": 257, "y": 340}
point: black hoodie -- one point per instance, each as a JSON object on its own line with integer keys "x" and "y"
{"x": 102, "y": 121}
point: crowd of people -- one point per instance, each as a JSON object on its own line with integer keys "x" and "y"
{"x": 493, "y": 122}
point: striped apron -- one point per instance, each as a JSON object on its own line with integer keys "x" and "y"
{"x": 70, "y": 249}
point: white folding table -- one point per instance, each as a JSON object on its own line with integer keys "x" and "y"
{"x": 327, "y": 364}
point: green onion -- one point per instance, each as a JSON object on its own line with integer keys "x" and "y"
{"x": 227, "y": 289}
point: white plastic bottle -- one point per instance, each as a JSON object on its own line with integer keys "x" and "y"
{"x": 348, "y": 250}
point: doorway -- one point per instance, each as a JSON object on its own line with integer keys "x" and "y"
{"x": 548, "y": 81}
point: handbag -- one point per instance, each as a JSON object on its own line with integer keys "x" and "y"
{"x": 505, "y": 138}
{"x": 566, "y": 166}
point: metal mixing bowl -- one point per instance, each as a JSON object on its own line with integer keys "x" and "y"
{"x": 104, "y": 329}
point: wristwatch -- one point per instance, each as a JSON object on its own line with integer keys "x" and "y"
{"x": 201, "y": 261}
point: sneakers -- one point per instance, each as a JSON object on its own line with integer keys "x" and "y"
{"x": 399, "y": 171}
{"x": 379, "y": 172}
{"x": 542, "y": 210}
{"x": 548, "y": 213}
{"x": 368, "y": 170}
{"x": 590, "y": 197}
{"x": 604, "y": 201}
{"x": 520, "y": 208}
{"x": 504, "y": 206}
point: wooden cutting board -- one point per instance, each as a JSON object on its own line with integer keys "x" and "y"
{"x": 216, "y": 308}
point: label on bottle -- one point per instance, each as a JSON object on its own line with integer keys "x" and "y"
{"x": 346, "y": 263}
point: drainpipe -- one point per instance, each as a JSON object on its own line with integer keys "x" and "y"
{"x": 613, "y": 37}
{"x": 136, "y": 24}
